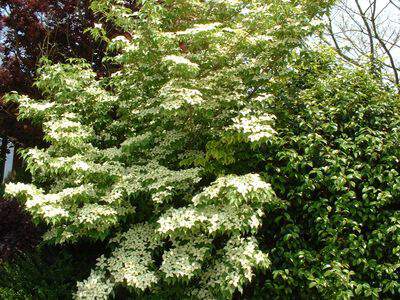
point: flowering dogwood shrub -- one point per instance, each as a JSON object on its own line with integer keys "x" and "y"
{"x": 221, "y": 155}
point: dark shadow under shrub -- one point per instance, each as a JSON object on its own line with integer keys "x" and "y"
{"x": 50, "y": 272}
{"x": 17, "y": 232}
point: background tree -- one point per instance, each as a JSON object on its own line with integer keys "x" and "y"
{"x": 33, "y": 29}
{"x": 367, "y": 31}
{"x": 17, "y": 233}
{"x": 29, "y": 30}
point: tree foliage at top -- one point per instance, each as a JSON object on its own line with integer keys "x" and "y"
{"x": 222, "y": 157}
{"x": 32, "y": 29}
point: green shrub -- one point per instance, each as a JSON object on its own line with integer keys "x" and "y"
{"x": 335, "y": 160}
{"x": 46, "y": 273}
{"x": 29, "y": 277}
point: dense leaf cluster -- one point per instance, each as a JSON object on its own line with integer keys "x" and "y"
{"x": 335, "y": 160}
{"x": 48, "y": 272}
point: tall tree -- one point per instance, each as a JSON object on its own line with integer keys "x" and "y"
{"x": 368, "y": 31}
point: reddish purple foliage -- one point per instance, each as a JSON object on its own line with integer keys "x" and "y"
{"x": 33, "y": 28}
{"x": 17, "y": 232}
{"x": 30, "y": 29}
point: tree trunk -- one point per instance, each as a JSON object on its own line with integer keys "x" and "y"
{"x": 3, "y": 157}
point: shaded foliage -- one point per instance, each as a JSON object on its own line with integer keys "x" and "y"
{"x": 46, "y": 273}
{"x": 17, "y": 232}
{"x": 335, "y": 160}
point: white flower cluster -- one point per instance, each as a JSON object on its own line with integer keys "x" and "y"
{"x": 233, "y": 268}
{"x": 185, "y": 258}
{"x": 47, "y": 206}
{"x": 256, "y": 128}
{"x": 235, "y": 190}
{"x": 174, "y": 98}
{"x": 67, "y": 130}
{"x": 61, "y": 210}
{"x": 181, "y": 66}
{"x": 130, "y": 263}
{"x": 157, "y": 180}
{"x": 95, "y": 287}
{"x": 179, "y": 60}
{"x": 200, "y": 28}
{"x": 34, "y": 109}
{"x": 211, "y": 220}
{"x": 95, "y": 215}
{"x": 121, "y": 39}
{"x": 231, "y": 204}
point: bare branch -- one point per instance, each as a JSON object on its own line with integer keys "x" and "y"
{"x": 367, "y": 29}
{"x": 397, "y": 5}
{"x": 385, "y": 48}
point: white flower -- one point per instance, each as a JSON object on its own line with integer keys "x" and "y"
{"x": 120, "y": 38}
{"x": 199, "y": 28}
{"x": 255, "y": 127}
